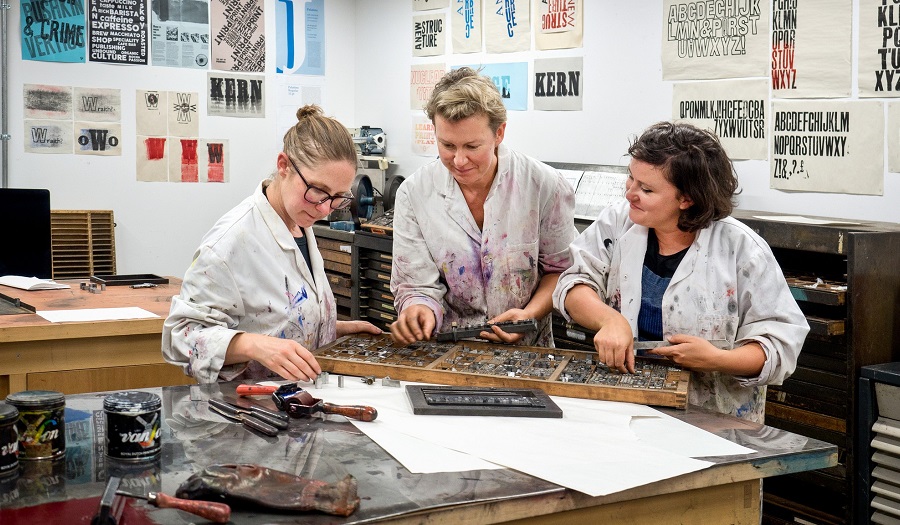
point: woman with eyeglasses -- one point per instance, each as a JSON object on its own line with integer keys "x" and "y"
{"x": 670, "y": 264}
{"x": 256, "y": 300}
{"x": 482, "y": 233}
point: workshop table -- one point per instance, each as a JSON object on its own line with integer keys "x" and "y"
{"x": 88, "y": 356}
{"x": 194, "y": 437}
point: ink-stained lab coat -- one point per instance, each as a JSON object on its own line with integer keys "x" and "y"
{"x": 469, "y": 275}
{"x": 728, "y": 286}
{"x": 247, "y": 276}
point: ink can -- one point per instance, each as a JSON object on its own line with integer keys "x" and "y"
{"x": 133, "y": 425}
{"x": 9, "y": 440}
{"x": 41, "y": 424}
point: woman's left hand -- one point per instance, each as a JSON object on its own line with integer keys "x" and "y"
{"x": 692, "y": 352}
{"x": 354, "y": 327}
{"x": 499, "y": 336}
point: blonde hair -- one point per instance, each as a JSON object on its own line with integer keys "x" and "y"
{"x": 462, "y": 93}
{"x": 315, "y": 139}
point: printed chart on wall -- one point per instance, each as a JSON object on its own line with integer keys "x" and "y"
{"x": 511, "y": 80}
{"x": 735, "y": 110}
{"x": 832, "y": 147}
{"x": 709, "y": 40}
{"x": 811, "y": 48}
{"x": 300, "y": 37}
{"x": 235, "y": 95}
{"x": 507, "y": 26}
{"x": 429, "y": 34}
{"x": 118, "y": 31}
{"x": 238, "y": 35}
{"x": 558, "y": 25}
{"x": 180, "y": 33}
{"x": 64, "y": 119}
{"x": 422, "y": 78}
{"x": 879, "y": 49}
{"x": 558, "y": 84}
{"x": 53, "y": 31}
{"x": 465, "y": 26}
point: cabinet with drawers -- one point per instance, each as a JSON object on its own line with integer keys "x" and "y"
{"x": 372, "y": 272}
{"x": 336, "y": 247}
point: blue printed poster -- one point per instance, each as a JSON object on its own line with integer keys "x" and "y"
{"x": 511, "y": 80}
{"x": 300, "y": 37}
{"x": 53, "y": 30}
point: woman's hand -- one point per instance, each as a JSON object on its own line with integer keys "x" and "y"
{"x": 696, "y": 353}
{"x": 614, "y": 343}
{"x": 415, "y": 323}
{"x": 285, "y": 357}
{"x": 356, "y": 327}
{"x": 497, "y": 335}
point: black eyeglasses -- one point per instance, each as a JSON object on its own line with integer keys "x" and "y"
{"x": 316, "y": 195}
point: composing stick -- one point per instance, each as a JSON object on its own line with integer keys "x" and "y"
{"x": 463, "y": 332}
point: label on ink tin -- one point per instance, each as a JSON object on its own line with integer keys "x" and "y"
{"x": 42, "y": 433}
{"x": 9, "y": 448}
{"x": 133, "y": 436}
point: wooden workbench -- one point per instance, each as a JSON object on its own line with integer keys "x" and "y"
{"x": 80, "y": 357}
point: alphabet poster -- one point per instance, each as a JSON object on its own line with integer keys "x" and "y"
{"x": 465, "y": 26}
{"x": 180, "y": 33}
{"x": 558, "y": 84}
{"x": 507, "y": 26}
{"x": 811, "y": 48}
{"x": 511, "y": 80}
{"x": 735, "y": 110}
{"x": 558, "y": 24}
{"x": 422, "y": 79}
{"x": 710, "y": 40}
{"x": 879, "y": 49}
{"x": 300, "y": 37}
{"x": 830, "y": 147}
{"x": 235, "y": 95}
{"x": 119, "y": 31}
{"x": 238, "y": 35}
{"x": 429, "y": 35}
{"x": 53, "y": 31}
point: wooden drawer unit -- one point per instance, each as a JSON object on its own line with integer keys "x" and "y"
{"x": 372, "y": 270}
{"x": 336, "y": 247}
{"x": 846, "y": 279}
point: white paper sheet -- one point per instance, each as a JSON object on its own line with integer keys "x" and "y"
{"x": 799, "y": 219}
{"x": 96, "y": 314}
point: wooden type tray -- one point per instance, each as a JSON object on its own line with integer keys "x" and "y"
{"x": 569, "y": 373}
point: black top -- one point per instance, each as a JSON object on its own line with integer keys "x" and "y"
{"x": 661, "y": 265}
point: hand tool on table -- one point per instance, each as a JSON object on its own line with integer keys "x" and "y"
{"x": 303, "y": 404}
{"x": 210, "y": 510}
{"x": 641, "y": 348}
{"x": 247, "y": 407}
{"x": 230, "y": 412}
{"x": 104, "y": 516}
{"x": 255, "y": 390}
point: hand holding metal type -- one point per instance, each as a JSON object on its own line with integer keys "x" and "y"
{"x": 210, "y": 510}
{"x": 252, "y": 422}
{"x": 642, "y": 348}
{"x": 512, "y": 327}
{"x": 303, "y": 404}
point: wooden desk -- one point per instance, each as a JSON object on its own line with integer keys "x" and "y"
{"x": 194, "y": 437}
{"x": 86, "y": 356}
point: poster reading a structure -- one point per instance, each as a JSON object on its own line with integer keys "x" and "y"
{"x": 710, "y": 40}
{"x": 879, "y": 49}
{"x": 238, "y": 35}
{"x": 735, "y": 110}
{"x": 53, "y": 31}
{"x": 180, "y": 33}
{"x": 429, "y": 35}
{"x": 558, "y": 24}
{"x": 118, "y": 31}
{"x": 558, "y": 84}
{"x": 811, "y": 48}
{"x": 235, "y": 95}
{"x": 507, "y": 26}
{"x": 424, "y": 142}
{"x": 422, "y": 79}
{"x": 300, "y": 37}
{"x": 511, "y": 80}
{"x": 831, "y": 147}
{"x": 465, "y": 26}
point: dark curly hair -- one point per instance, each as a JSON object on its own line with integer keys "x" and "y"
{"x": 695, "y": 162}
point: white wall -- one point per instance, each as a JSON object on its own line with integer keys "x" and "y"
{"x": 367, "y": 74}
{"x": 623, "y": 93}
{"x": 159, "y": 225}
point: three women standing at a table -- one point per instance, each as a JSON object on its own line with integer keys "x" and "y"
{"x": 256, "y": 300}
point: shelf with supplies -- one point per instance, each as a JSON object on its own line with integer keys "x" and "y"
{"x": 844, "y": 277}
{"x": 372, "y": 261}
{"x": 336, "y": 247}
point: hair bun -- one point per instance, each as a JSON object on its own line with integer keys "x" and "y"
{"x": 309, "y": 111}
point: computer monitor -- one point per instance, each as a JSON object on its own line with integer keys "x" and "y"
{"x": 25, "y": 247}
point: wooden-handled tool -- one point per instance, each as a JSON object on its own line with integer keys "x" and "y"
{"x": 255, "y": 390}
{"x": 304, "y": 404}
{"x": 210, "y": 510}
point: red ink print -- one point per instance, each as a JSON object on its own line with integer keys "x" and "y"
{"x": 189, "y": 171}
{"x": 216, "y": 170}
{"x": 156, "y": 147}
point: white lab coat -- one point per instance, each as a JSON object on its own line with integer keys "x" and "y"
{"x": 247, "y": 276}
{"x": 467, "y": 275}
{"x": 728, "y": 286}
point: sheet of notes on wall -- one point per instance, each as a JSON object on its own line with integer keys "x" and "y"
{"x": 595, "y": 190}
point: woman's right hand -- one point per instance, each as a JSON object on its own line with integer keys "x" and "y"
{"x": 615, "y": 343}
{"x": 415, "y": 323}
{"x": 285, "y": 357}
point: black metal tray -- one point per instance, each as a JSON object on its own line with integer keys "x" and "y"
{"x": 481, "y": 401}
{"x": 135, "y": 278}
